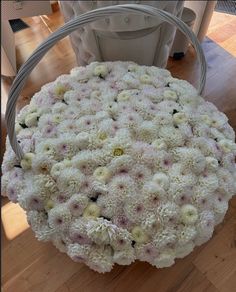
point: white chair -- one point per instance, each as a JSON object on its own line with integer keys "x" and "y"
{"x": 137, "y": 38}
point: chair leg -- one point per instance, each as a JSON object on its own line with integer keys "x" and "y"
{"x": 3, "y": 137}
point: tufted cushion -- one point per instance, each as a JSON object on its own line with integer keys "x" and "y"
{"x": 143, "y": 39}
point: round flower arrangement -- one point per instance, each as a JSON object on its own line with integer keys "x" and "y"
{"x": 122, "y": 162}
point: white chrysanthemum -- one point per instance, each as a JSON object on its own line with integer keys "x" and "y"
{"x": 226, "y": 181}
{"x": 228, "y": 132}
{"x": 181, "y": 176}
{"x": 82, "y": 74}
{"x": 227, "y": 145}
{"x": 135, "y": 208}
{"x": 59, "y": 217}
{"x": 208, "y": 147}
{"x": 146, "y": 132}
{"x": 82, "y": 140}
{"x": 100, "y": 259}
{"x": 85, "y": 161}
{"x": 56, "y": 169}
{"x": 168, "y": 212}
{"x": 202, "y": 197}
{"x": 69, "y": 180}
{"x": 228, "y": 162}
{"x": 205, "y": 227}
{"x": 108, "y": 205}
{"x": 79, "y": 253}
{"x": 30, "y": 199}
{"x": 77, "y": 203}
{"x": 186, "y": 130}
{"x": 183, "y": 250}
{"x": 59, "y": 108}
{"x": 220, "y": 206}
{"x": 121, "y": 239}
{"x": 122, "y": 186}
{"x": 42, "y": 164}
{"x": 191, "y": 159}
{"x": 47, "y": 147}
{"x": 130, "y": 120}
{"x": 121, "y": 164}
{"x": 44, "y": 234}
{"x": 159, "y": 144}
{"x": 45, "y": 120}
{"x": 165, "y": 238}
{"x": 211, "y": 163}
{"x": 101, "y": 231}
{"x": 44, "y": 184}
{"x": 150, "y": 223}
{"x": 153, "y": 194}
{"x": 36, "y": 219}
{"x": 124, "y": 257}
{"x": 78, "y": 231}
{"x": 171, "y": 136}
{"x": 140, "y": 174}
{"x": 38, "y": 222}
{"x": 146, "y": 252}
{"x": 186, "y": 234}
{"x": 163, "y": 118}
{"x": 169, "y": 106}
{"x": 209, "y": 181}
{"x": 72, "y": 97}
{"x": 165, "y": 259}
{"x": 162, "y": 180}
{"x": 61, "y": 242}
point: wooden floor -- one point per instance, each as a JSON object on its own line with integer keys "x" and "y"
{"x": 29, "y": 265}
{"x": 222, "y": 30}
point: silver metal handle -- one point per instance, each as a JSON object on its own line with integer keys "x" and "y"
{"x": 71, "y": 26}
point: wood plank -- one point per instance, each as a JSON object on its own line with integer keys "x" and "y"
{"x": 46, "y": 273}
{"x": 196, "y": 282}
{"x": 218, "y": 259}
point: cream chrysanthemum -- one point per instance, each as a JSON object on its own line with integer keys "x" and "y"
{"x": 189, "y": 214}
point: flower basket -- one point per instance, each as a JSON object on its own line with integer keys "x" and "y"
{"x": 116, "y": 162}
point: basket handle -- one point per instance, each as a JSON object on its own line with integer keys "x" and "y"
{"x": 71, "y": 26}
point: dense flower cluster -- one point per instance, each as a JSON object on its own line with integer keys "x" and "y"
{"x": 122, "y": 162}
